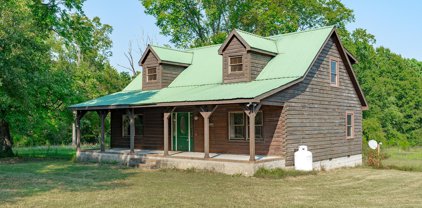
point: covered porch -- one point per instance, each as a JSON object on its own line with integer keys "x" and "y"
{"x": 217, "y": 162}
{"x": 191, "y": 136}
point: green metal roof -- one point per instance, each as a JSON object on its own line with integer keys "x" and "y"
{"x": 172, "y": 55}
{"x": 258, "y": 42}
{"x": 202, "y": 80}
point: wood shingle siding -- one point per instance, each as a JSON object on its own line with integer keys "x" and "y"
{"x": 253, "y": 62}
{"x": 151, "y": 61}
{"x": 315, "y": 111}
{"x": 235, "y": 48}
{"x": 166, "y": 73}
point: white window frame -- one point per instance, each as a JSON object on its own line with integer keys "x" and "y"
{"x": 352, "y": 125}
{"x": 230, "y": 64}
{"x": 337, "y": 78}
{"x": 229, "y": 126}
{"x": 148, "y": 74}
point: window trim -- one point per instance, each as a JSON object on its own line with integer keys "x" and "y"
{"x": 352, "y": 133}
{"x": 337, "y": 84}
{"x": 123, "y": 129}
{"x": 229, "y": 127}
{"x": 230, "y": 64}
{"x": 148, "y": 74}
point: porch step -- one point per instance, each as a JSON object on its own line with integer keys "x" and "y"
{"x": 143, "y": 163}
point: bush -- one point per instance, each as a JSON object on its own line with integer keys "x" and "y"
{"x": 281, "y": 173}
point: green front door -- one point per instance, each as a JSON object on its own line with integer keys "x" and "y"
{"x": 182, "y": 134}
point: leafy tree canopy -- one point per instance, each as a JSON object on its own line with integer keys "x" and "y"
{"x": 197, "y": 23}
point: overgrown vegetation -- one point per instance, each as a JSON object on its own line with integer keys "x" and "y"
{"x": 51, "y": 56}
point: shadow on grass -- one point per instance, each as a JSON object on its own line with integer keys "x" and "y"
{"x": 27, "y": 177}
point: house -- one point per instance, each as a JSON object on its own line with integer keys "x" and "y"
{"x": 251, "y": 99}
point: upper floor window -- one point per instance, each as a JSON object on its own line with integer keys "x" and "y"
{"x": 139, "y": 125}
{"x": 334, "y": 77}
{"x": 235, "y": 64}
{"x": 350, "y": 125}
{"x": 151, "y": 74}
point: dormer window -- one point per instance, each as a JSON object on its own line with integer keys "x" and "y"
{"x": 151, "y": 74}
{"x": 235, "y": 64}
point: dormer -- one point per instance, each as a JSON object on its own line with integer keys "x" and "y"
{"x": 245, "y": 55}
{"x": 161, "y": 66}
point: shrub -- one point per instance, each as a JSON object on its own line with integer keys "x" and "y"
{"x": 281, "y": 173}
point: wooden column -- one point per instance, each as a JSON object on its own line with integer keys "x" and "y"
{"x": 73, "y": 134}
{"x": 207, "y": 114}
{"x": 78, "y": 117}
{"x": 251, "y": 111}
{"x": 132, "y": 130}
{"x": 166, "y": 133}
{"x": 103, "y": 115}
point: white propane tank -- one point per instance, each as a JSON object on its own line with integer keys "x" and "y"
{"x": 303, "y": 159}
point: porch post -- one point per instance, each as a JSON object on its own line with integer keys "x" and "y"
{"x": 78, "y": 117}
{"x": 207, "y": 115}
{"x": 166, "y": 133}
{"x": 252, "y": 109}
{"x": 78, "y": 131}
{"x": 132, "y": 130}
{"x": 73, "y": 134}
{"x": 103, "y": 115}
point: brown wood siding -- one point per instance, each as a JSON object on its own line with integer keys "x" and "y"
{"x": 271, "y": 144}
{"x": 315, "y": 111}
{"x": 151, "y": 61}
{"x": 152, "y": 138}
{"x": 169, "y": 73}
{"x": 257, "y": 63}
{"x": 235, "y": 48}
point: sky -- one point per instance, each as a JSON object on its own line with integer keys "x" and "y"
{"x": 396, "y": 25}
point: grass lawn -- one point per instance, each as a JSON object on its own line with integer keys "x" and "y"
{"x": 58, "y": 183}
{"x": 43, "y": 182}
{"x": 404, "y": 159}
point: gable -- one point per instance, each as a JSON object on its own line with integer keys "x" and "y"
{"x": 202, "y": 80}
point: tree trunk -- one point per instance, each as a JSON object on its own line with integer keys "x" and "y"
{"x": 6, "y": 141}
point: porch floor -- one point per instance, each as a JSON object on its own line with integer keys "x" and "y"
{"x": 190, "y": 155}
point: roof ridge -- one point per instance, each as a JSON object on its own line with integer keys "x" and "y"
{"x": 258, "y": 36}
{"x": 207, "y": 46}
{"x": 302, "y": 31}
{"x": 173, "y": 49}
{"x": 234, "y": 83}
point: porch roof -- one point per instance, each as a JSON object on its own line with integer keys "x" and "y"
{"x": 202, "y": 80}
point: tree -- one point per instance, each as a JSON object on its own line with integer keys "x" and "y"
{"x": 51, "y": 56}
{"x": 197, "y": 23}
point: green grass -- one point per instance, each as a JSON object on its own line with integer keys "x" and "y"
{"x": 34, "y": 179}
{"x": 408, "y": 160}
{"x": 52, "y": 152}
{"x": 58, "y": 183}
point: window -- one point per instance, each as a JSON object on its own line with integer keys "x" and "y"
{"x": 235, "y": 64}
{"x": 350, "y": 125}
{"x": 259, "y": 121}
{"x": 139, "y": 125}
{"x": 237, "y": 125}
{"x": 334, "y": 73}
{"x": 151, "y": 74}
